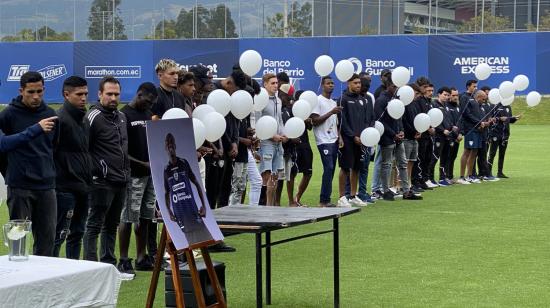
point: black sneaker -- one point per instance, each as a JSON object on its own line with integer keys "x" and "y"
{"x": 144, "y": 264}
{"x": 221, "y": 247}
{"x": 424, "y": 186}
{"x": 125, "y": 266}
{"x": 411, "y": 196}
{"x": 502, "y": 176}
{"x": 388, "y": 196}
{"x": 417, "y": 189}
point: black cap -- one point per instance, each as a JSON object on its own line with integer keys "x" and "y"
{"x": 201, "y": 72}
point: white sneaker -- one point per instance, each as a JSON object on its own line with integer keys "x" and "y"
{"x": 344, "y": 202}
{"x": 357, "y": 202}
{"x": 473, "y": 180}
{"x": 430, "y": 184}
{"x": 462, "y": 181}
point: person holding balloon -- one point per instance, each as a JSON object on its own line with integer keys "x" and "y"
{"x": 499, "y": 135}
{"x": 455, "y": 137}
{"x": 441, "y": 138}
{"x": 410, "y": 142}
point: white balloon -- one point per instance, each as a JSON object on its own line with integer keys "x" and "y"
{"x": 379, "y": 127}
{"x": 241, "y": 104}
{"x": 250, "y": 62}
{"x": 200, "y": 132}
{"x": 494, "y": 96}
{"x": 311, "y": 98}
{"x": 533, "y": 98}
{"x": 261, "y": 100}
{"x": 396, "y": 108}
{"x": 220, "y": 100}
{"x": 301, "y": 109}
{"x": 422, "y": 122}
{"x": 436, "y": 116}
{"x": 508, "y": 101}
{"x": 324, "y": 65}
{"x": 506, "y": 89}
{"x": 202, "y": 110}
{"x": 294, "y": 127}
{"x": 344, "y": 70}
{"x": 370, "y": 136}
{"x": 175, "y": 113}
{"x": 266, "y": 127}
{"x": 482, "y": 71}
{"x": 521, "y": 82}
{"x": 400, "y": 76}
{"x": 405, "y": 94}
{"x": 215, "y": 126}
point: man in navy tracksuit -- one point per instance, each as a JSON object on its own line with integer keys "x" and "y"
{"x": 454, "y": 112}
{"x": 110, "y": 171}
{"x": 391, "y": 146}
{"x": 30, "y": 173}
{"x": 425, "y": 143}
{"x": 499, "y": 135}
{"x": 441, "y": 139}
{"x": 484, "y": 172}
{"x": 357, "y": 114}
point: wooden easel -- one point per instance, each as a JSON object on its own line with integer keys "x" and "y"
{"x": 167, "y": 244}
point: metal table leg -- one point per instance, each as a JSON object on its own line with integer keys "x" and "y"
{"x": 268, "y": 268}
{"x": 259, "y": 290}
{"x": 336, "y": 248}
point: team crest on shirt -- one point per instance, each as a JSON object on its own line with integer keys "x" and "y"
{"x": 176, "y": 175}
{"x": 325, "y": 151}
{"x": 438, "y": 144}
{"x": 471, "y": 143}
{"x": 495, "y": 138}
{"x": 507, "y": 109}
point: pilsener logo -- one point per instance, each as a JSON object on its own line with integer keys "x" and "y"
{"x": 16, "y": 71}
{"x": 52, "y": 72}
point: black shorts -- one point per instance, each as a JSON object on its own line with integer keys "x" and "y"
{"x": 304, "y": 159}
{"x": 349, "y": 157}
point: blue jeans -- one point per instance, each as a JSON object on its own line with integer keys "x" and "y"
{"x": 363, "y": 177}
{"x": 376, "y": 182}
{"x": 329, "y": 153}
{"x": 72, "y": 213}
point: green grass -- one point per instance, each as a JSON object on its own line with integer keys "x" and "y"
{"x": 475, "y": 245}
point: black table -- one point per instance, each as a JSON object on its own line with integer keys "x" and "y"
{"x": 264, "y": 219}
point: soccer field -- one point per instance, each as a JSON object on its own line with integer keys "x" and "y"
{"x": 465, "y": 245}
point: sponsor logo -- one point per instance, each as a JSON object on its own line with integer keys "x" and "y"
{"x": 278, "y": 66}
{"x": 16, "y": 71}
{"x": 52, "y": 72}
{"x": 467, "y": 65}
{"x": 123, "y": 71}
{"x": 212, "y": 67}
{"x": 374, "y": 67}
{"x": 357, "y": 65}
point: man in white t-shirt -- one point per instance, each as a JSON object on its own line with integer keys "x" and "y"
{"x": 325, "y": 128}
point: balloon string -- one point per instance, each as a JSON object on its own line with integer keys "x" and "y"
{"x": 483, "y": 118}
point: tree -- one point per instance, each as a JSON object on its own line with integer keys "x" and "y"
{"x": 298, "y": 21}
{"x": 164, "y": 30}
{"x": 367, "y": 30}
{"x": 491, "y": 23}
{"x": 544, "y": 23}
{"x": 101, "y": 21}
{"x": 43, "y": 34}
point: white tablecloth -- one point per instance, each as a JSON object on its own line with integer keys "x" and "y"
{"x": 57, "y": 282}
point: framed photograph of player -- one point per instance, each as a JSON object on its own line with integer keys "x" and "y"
{"x": 178, "y": 185}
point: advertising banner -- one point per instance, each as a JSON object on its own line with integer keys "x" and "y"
{"x": 453, "y": 58}
{"x": 54, "y": 60}
{"x": 131, "y": 62}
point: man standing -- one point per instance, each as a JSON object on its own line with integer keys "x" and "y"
{"x": 440, "y": 143}
{"x": 357, "y": 114}
{"x": 472, "y": 122}
{"x": 168, "y": 96}
{"x": 455, "y": 138}
{"x": 325, "y": 129}
{"x": 31, "y": 169}
{"x": 72, "y": 162}
{"x": 139, "y": 208}
{"x": 499, "y": 135}
{"x": 471, "y": 87}
{"x": 391, "y": 146}
{"x": 110, "y": 171}
{"x": 411, "y": 134}
{"x": 271, "y": 150}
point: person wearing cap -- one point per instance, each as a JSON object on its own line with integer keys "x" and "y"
{"x": 383, "y": 77}
{"x": 168, "y": 96}
{"x": 203, "y": 83}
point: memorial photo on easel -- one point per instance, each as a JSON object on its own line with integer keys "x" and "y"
{"x": 178, "y": 185}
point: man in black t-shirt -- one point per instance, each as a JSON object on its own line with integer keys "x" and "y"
{"x": 179, "y": 199}
{"x": 304, "y": 158}
{"x": 168, "y": 97}
{"x": 140, "y": 205}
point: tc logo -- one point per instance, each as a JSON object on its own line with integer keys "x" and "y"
{"x": 357, "y": 65}
{"x": 16, "y": 71}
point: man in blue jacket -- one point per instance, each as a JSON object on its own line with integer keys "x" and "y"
{"x": 31, "y": 172}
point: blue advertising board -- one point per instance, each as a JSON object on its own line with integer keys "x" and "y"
{"x": 372, "y": 54}
{"x": 129, "y": 61}
{"x": 543, "y": 63}
{"x": 295, "y": 56}
{"x": 453, "y": 58}
{"x": 54, "y": 60}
